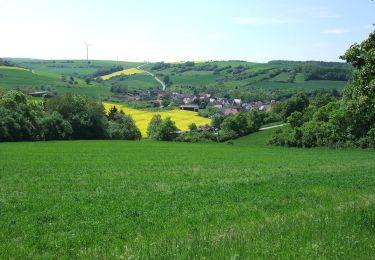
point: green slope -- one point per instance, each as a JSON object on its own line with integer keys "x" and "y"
{"x": 238, "y": 78}
{"x": 224, "y": 76}
{"x": 46, "y": 75}
{"x": 69, "y": 67}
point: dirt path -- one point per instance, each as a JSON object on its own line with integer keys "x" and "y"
{"x": 270, "y": 127}
{"x": 152, "y": 75}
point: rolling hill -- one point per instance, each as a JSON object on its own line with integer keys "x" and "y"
{"x": 237, "y": 78}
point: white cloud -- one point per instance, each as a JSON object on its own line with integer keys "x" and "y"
{"x": 251, "y": 20}
{"x": 337, "y": 31}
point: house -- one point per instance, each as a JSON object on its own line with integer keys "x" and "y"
{"x": 40, "y": 94}
{"x": 190, "y": 107}
{"x": 230, "y": 111}
{"x": 186, "y": 100}
{"x": 237, "y": 102}
{"x": 266, "y": 107}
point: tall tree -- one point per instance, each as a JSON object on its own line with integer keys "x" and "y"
{"x": 359, "y": 95}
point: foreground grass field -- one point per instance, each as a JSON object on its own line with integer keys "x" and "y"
{"x": 112, "y": 199}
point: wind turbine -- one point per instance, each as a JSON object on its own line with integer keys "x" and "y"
{"x": 87, "y": 50}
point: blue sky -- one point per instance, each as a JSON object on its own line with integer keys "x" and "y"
{"x": 138, "y": 30}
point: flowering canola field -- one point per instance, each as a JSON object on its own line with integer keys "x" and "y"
{"x": 130, "y": 71}
{"x": 142, "y": 118}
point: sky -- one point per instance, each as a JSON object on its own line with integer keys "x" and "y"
{"x": 190, "y": 30}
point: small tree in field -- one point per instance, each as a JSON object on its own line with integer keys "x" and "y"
{"x": 154, "y": 127}
{"x": 193, "y": 127}
{"x": 88, "y": 81}
{"x": 162, "y": 130}
{"x": 112, "y": 112}
{"x": 168, "y": 130}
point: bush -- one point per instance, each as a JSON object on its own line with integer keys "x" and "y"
{"x": 240, "y": 124}
{"x": 154, "y": 127}
{"x": 193, "y": 127}
{"x": 103, "y": 72}
{"x": 55, "y": 127}
{"x": 19, "y": 118}
{"x": 162, "y": 130}
{"x": 85, "y": 115}
{"x": 123, "y": 127}
{"x": 197, "y": 137}
{"x": 217, "y": 119}
{"x": 167, "y": 131}
{"x": 298, "y": 103}
{"x": 295, "y": 119}
{"x": 271, "y": 117}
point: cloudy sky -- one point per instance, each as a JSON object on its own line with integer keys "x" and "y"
{"x": 252, "y": 30}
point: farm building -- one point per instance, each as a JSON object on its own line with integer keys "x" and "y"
{"x": 190, "y": 107}
{"x": 237, "y": 102}
{"x": 40, "y": 94}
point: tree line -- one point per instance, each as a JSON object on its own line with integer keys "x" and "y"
{"x": 5, "y": 63}
{"x": 348, "y": 122}
{"x": 61, "y": 118}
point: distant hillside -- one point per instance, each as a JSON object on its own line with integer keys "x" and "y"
{"x": 249, "y": 80}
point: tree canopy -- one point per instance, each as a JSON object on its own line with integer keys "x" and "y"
{"x": 348, "y": 122}
{"x": 63, "y": 117}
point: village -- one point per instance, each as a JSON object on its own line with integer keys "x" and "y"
{"x": 197, "y": 102}
{"x": 194, "y": 103}
{"x": 225, "y": 105}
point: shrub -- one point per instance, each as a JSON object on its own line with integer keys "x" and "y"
{"x": 162, "y": 130}
{"x": 240, "y": 124}
{"x": 85, "y": 115}
{"x": 154, "y": 127}
{"x": 55, "y": 127}
{"x": 19, "y": 118}
{"x": 123, "y": 127}
{"x": 193, "y": 127}
{"x": 197, "y": 137}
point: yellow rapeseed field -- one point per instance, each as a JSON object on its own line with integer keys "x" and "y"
{"x": 142, "y": 118}
{"x": 11, "y": 68}
{"x": 130, "y": 71}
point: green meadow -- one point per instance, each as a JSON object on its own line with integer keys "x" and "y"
{"x": 144, "y": 199}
